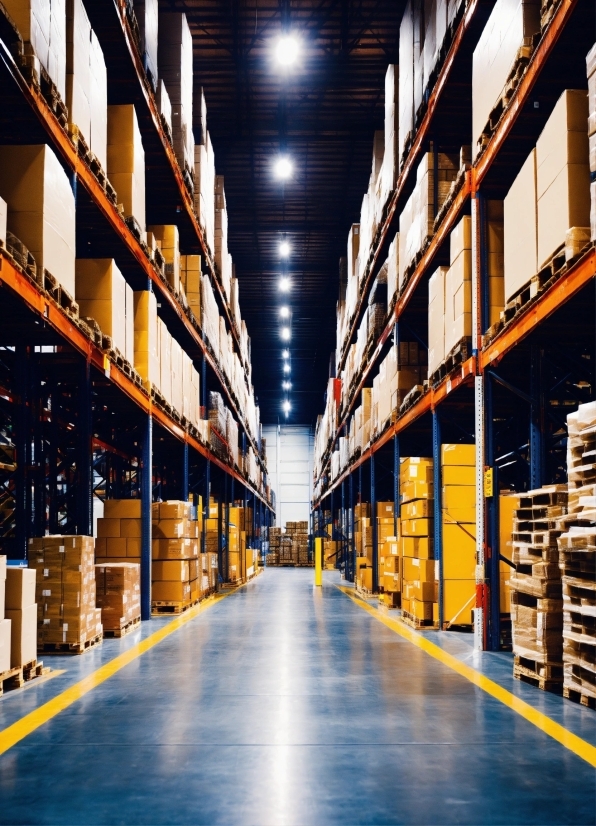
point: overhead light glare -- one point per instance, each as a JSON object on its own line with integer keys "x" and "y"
{"x": 283, "y": 168}
{"x": 287, "y": 50}
{"x": 285, "y": 354}
{"x": 284, "y": 249}
{"x": 286, "y": 407}
{"x": 287, "y": 368}
{"x": 284, "y": 285}
{"x": 284, "y": 312}
{"x": 287, "y": 385}
{"x": 285, "y": 333}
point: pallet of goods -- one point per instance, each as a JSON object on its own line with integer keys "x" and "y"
{"x": 67, "y": 617}
{"x": 577, "y": 559}
{"x": 118, "y": 586}
{"x": 536, "y": 595}
{"x": 175, "y": 581}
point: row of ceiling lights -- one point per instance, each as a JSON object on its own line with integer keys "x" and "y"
{"x": 287, "y": 52}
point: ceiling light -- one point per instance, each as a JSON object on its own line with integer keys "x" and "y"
{"x": 287, "y": 385}
{"x": 284, "y": 312}
{"x": 287, "y": 368}
{"x": 287, "y": 50}
{"x": 283, "y": 168}
{"x": 285, "y": 333}
{"x": 284, "y": 249}
{"x": 285, "y": 354}
{"x": 287, "y": 407}
{"x": 284, "y": 285}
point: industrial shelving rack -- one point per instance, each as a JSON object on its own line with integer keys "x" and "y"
{"x": 74, "y": 421}
{"x": 545, "y": 353}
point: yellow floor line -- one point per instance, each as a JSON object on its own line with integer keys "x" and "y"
{"x": 36, "y": 718}
{"x": 562, "y": 735}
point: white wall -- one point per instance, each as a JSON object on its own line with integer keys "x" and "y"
{"x": 290, "y": 464}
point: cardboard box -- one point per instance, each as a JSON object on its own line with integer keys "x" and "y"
{"x": 457, "y": 454}
{"x": 41, "y": 208}
{"x": 562, "y": 173}
{"x": 416, "y": 489}
{"x": 170, "y": 591}
{"x": 458, "y": 474}
{"x": 122, "y": 508}
{"x": 20, "y": 588}
{"x": 418, "y": 570}
{"x": 108, "y": 528}
{"x": 174, "y": 570}
{"x": 436, "y": 319}
{"x": 391, "y": 583}
{"x": 458, "y": 496}
{"x": 458, "y": 300}
{"x": 466, "y": 516}
{"x": 416, "y": 468}
{"x": 366, "y": 578}
{"x": 420, "y": 610}
{"x": 416, "y": 527}
{"x": 416, "y": 590}
{"x": 23, "y": 635}
{"x": 417, "y": 509}
{"x": 459, "y": 551}
{"x": 385, "y": 510}
{"x": 5, "y": 641}
{"x": 101, "y": 294}
{"x": 456, "y": 593}
{"x": 184, "y": 548}
{"x": 126, "y": 160}
{"x": 520, "y": 218}
{"x": 417, "y": 547}
{"x": 146, "y": 337}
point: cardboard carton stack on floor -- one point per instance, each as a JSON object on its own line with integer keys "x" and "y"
{"x": 119, "y": 532}
{"x": 274, "y": 546}
{"x": 236, "y": 546}
{"x": 536, "y": 598}
{"x": 591, "y": 72}
{"x": 458, "y": 509}
{"x": 298, "y": 533}
{"x": 41, "y": 209}
{"x": 390, "y": 571}
{"x": 212, "y": 528}
{"x": 419, "y": 587}
{"x": 118, "y": 587}
{"x": 175, "y": 554}
{"x": 577, "y": 556}
{"x": 21, "y": 610}
{"x": 330, "y": 548}
{"x": 363, "y": 544}
{"x": 65, "y": 590}
{"x": 5, "y": 627}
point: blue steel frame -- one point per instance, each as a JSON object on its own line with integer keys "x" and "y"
{"x": 437, "y": 507}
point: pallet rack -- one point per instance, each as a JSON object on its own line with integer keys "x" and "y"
{"x": 82, "y": 422}
{"x": 492, "y": 408}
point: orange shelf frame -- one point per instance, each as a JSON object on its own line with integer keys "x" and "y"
{"x": 12, "y": 279}
{"x": 544, "y": 306}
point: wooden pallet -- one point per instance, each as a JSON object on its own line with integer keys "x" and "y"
{"x": 17, "y": 677}
{"x": 577, "y": 696}
{"x": 161, "y": 607}
{"x": 418, "y": 624}
{"x": 545, "y": 676}
{"x": 70, "y": 647}
{"x": 50, "y": 92}
{"x": 123, "y": 630}
{"x": 547, "y": 12}
{"x": 59, "y": 295}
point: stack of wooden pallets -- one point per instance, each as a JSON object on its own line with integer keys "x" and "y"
{"x": 536, "y": 601}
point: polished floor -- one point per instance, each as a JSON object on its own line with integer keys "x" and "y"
{"x": 284, "y": 705}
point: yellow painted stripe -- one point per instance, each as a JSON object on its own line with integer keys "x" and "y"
{"x": 546, "y": 724}
{"x": 32, "y": 721}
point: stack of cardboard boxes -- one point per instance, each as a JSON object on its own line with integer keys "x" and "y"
{"x": 536, "y": 597}
{"x": 65, "y": 591}
{"x": 168, "y": 242}
{"x": 21, "y": 610}
{"x": 119, "y": 532}
{"x": 175, "y": 555}
{"x": 146, "y": 12}
{"x": 41, "y": 209}
{"x": 272, "y": 557}
{"x": 458, "y": 511}
{"x": 363, "y": 544}
{"x": 5, "y": 629}
{"x": 419, "y": 586}
{"x": 389, "y": 575}
{"x": 298, "y": 532}
{"x": 103, "y": 294}
{"x": 126, "y": 161}
{"x": 118, "y": 586}
{"x": 190, "y": 274}
{"x": 547, "y": 209}
{"x": 43, "y": 28}
{"x": 175, "y": 67}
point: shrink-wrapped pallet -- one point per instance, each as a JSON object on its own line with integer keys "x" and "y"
{"x": 42, "y": 25}
{"x": 175, "y": 68}
{"x": 101, "y": 295}
{"x": 126, "y": 161}
{"x": 146, "y": 12}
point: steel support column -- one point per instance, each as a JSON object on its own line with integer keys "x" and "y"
{"x": 206, "y": 494}
{"x": 373, "y": 522}
{"x": 84, "y": 492}
{"x": 22, "y": 442}
{"x": 344, "y": 544}
{"x": 492, "y": 520}
{"x": 185, "y": 473}
{"x": 396, "y": 482}
{"x": 146, "y": 500}
{"x": 352, "y": 543}
{"x": 226, "y": 554}
{"x": 437, "y": 507}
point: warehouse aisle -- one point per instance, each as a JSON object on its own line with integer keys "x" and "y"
{"x": 283, "y": 706}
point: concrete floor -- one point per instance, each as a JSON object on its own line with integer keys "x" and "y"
{"x": 279, "y": 706}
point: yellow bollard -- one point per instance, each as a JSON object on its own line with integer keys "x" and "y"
{"x": 318, "y": 561}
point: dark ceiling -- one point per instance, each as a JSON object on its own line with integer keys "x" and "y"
{"x": 324, "y": 114}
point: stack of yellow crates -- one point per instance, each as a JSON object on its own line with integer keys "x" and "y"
{"x": 175, "y": 578}
{"x": 458, "y": 513}
{"x": 236, "y": 547}
{"x": 119, "y": 532}
{"x": 419, "y": 586}
{"x": 211, "y": 561}
{"x": 363, "y": 544}
{"x": 390, "y": 576}
{"x": 65, "y": 591}
{"x": 119, "y": 596}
